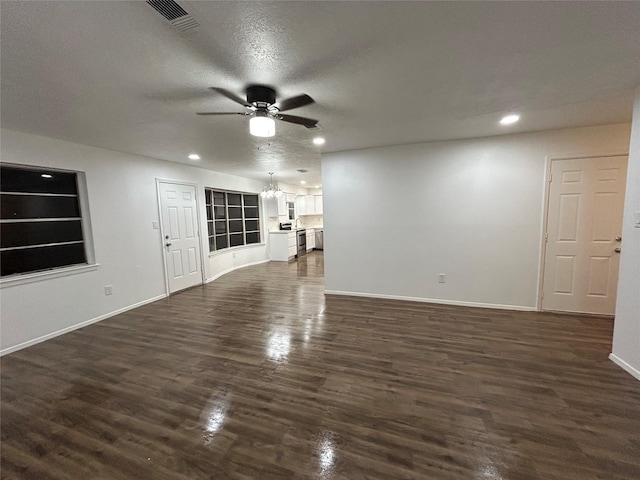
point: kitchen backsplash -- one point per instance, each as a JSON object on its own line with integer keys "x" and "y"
{"x": 310, "y": 221}
{"x": 273, "y": 224}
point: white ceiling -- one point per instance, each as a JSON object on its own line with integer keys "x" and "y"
{"x": 117, "y": 75}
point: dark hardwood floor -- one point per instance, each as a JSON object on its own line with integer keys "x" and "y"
{"x": 259, "y": 376}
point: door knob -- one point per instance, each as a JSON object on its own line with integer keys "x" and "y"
{"x": 168, "y": 245}
{"x": 618, "y": 250}
{"x": 618, "y": 239}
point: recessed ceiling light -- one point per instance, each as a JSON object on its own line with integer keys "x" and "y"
{"x": 194, "y": 156}
{"x": 46, "y": 175}
{"x": 509, "y": 119}
{"x": 318, "y": 186}
{"x": 318, "y": 141}
{"x": 302, "y": 182}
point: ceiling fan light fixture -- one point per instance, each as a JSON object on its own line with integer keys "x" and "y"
{"x": 261, "y": 125}
{"x": 261, "y": 106}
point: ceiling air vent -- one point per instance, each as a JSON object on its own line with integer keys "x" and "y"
{"x": 176, "y": 15}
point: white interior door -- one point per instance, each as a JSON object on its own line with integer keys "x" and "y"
{"x": 180, "y": 234}
{"x": 584, "y": 225}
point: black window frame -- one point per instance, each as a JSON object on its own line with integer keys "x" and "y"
{"x": 43, "y": 220}
{"x": 230, "y": 223}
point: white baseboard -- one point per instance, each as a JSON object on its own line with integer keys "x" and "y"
{"x": 433, "y": 300}
{"x": 625, "y": 366}
{"x": 215, "y": 277}
{"x": 57, "y": 333}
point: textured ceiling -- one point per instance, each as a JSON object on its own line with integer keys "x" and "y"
{"x": 117, "y": 75}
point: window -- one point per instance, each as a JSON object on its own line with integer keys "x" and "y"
{"x": 233, "y": 219}
{"x": 40, "y": 213}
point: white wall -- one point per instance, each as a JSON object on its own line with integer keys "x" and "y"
{"x": 123, "y": 204}
{"x": 626, "y": 332}
{"x": 396, "y": 217}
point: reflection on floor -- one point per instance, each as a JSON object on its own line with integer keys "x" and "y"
{"x": 259, "y": 376}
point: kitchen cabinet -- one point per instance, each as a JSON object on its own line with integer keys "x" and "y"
{"x": 301, "y": 205}
{"x": 293, "y": 245}
{"x": 282, "y": 245}
{"x": 270, "y": 207}
{"x": 282, "y": 205}
{"x": 309, "y": 204}
{"x": 311, "y": 239}
{"x": 276, "y": 206}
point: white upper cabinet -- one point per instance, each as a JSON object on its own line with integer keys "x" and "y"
{"x": 309, "y": 204}
{"x": 282, "y": 205}
{"x": 318, "y": 204}
{"x": 271, "y": 207}
{"x": 300, "y": 205}
{"x": 277, "y": 206}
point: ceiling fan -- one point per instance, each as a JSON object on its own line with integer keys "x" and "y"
{"x": 262, "y": 108}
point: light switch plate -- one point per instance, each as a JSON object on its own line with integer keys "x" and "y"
{"x": 155, "y": 225}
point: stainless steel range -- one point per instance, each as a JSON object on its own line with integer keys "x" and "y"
{"x": 301, "y": 235}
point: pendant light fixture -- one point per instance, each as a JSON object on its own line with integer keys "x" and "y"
{"x": 269, "y": 191}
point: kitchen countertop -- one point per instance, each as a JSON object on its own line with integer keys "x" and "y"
{"x": 293, "y": 231}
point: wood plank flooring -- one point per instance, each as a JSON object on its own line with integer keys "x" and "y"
{"x": 258, "y": 375}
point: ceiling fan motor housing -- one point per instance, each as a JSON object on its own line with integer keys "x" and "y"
{"x": 261, "y": 94}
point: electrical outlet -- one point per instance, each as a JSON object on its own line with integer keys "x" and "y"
{"x": 108, "y": 290}
{"x": 442, "y": 278}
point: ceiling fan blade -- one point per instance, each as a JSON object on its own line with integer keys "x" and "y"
{"x": 307, "y": 122}
{"x": 231, "y": 96}
{"x": 222, "y": 113}
{"x": 294, "y": 102}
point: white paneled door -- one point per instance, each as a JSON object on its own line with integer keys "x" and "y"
{"x": 180, "y": 235}
{"x": 583, "y": 242}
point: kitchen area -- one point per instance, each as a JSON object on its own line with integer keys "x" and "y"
{"x": 295, "y": 223}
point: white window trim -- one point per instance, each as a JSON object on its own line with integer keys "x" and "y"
{"x": 87, "y": 232}
{"x": 24, "y": 278}
{"x": 215, "y": 253}
{"x": 261, "y": 213}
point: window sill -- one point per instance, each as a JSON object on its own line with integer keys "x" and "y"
{"x": 235, "y": 249}
{"x": 46, "y": 275}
